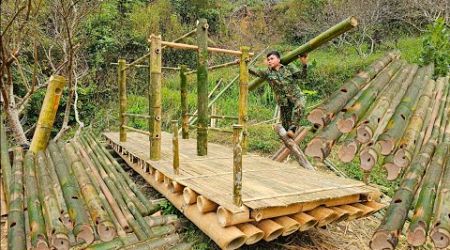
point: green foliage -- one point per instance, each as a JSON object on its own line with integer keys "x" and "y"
{"x": 168, "y": 208}
{"x": 436, "y": 47}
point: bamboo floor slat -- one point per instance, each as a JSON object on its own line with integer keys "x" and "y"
{"x": 265, "y": 183}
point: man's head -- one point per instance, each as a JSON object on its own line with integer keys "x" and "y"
{"x": 273, "y": 59}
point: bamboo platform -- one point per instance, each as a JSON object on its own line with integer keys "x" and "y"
{"x": 283, "y": 189}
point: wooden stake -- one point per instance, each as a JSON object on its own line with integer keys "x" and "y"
{"x": 202, "y": 88}
{"x": 176, "y": 149}
{"x": 243, "y": 94}
{"x": 155, "y": 76}
{"x": 122, "y": 79}
{"x": 184, "y": 103}
{"x": 237, "y": 165}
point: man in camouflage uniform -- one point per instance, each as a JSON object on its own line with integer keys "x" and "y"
{"x": 284, "y": 83}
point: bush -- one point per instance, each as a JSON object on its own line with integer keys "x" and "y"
{"x": 436, "y": 47}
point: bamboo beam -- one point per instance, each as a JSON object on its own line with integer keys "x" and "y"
{"x": 48, "y": 113}
{"x": 155, "y": 76}
{"x": 137, "y": 130}
{"x": 137, "y": 115}
{"x": 205, "y": 205}
{"x": 224, "y": 65}
{"x": 176, "y": 148}
{"x": 271, "y": 229}
{"x": 184, "y": 103}
{"x": 122, "y": 79}
{"x": 194, "y": 47}
{"x": 237, "y": 164}
{"x": 253, "y": 233}
{"x": 202, "y": 88}
{"x": 243, "y": 94}
{"x": 225, "y": 117}
{"x": 313, "y": 44}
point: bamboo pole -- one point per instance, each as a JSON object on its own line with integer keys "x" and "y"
{"x": 122, "y": 79}
{"x": 226, "y": 218}
{"x": 271, "y": 229}
{"x": 289, "y": 225}
{"x": 243, "y": 94}
{"x": 6, "y": 165}
{"x": 284, "y": 151}
{"x": 224, "y": 65}
{"x": 35, "y": 217}
{"x": 136, "y": 130}
{"x": 184, "y": 103}
{"x": 155, "y": 76}
{"x": 253, "y": 233}
{"x": 162, "y": 243}
{"x": 198, "y": 48}
{"x": 137, "y": 115}
{"x": 313, "y": 44}
{"x": 48, "y": 113}
{"x": 205, "y": 205}
{"x": 176, "y": 148}
{"x": 202, "y": 88}
{"x": 237, "y": 164}
{"x": 189, "y": 196}
{"x": 16, "y": 219}
{"x": 305, "y": 220}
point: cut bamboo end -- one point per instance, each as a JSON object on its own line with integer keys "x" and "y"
{"x": 271, "y": 229}
{"x": 305, "y": 220}
{"x": 366, "y": 210}
{"x": 440, "y": 237}
{"x": 402, "y": 158}
{"x": 60, "y": 241}
{"x": 159, "y": 177}
{"x": 353, "y": 21}
{"x": 289, "y": 225}
{"x": 189, "y": 196}
{"x": 368, "y": 158}
{"x": 345, "y": 125}
{"x": 387, "y": 146}
{"x": 315, "y": 148}
{"x": 323, "y": 215}
{"x": 342, "y": 213}
{"x": 205, "y": 205}
{"x": 85, "y": 234}
{"x": 317, "y": 117}
{"x": 253, "y": 233}
{"x": 364, "y": 134}
{"x": 393, "y": 171}
{"x": 106, "y": 231}
{"x": 177, "y": 187}
{"x": 383, "y": 240}
{"x": 375, "y": 205}
{"x": 226, "y": 218}
{"x": 353, "y": 211}
{"x": 418, "y": 236}
{"x": 41, "y": 243}
{"x": 348, "y": 151}
{"x": 271, "y": 212}
{"x": 67, "y": 221}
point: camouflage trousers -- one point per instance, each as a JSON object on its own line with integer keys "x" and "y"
{"x": 291, "y": 113}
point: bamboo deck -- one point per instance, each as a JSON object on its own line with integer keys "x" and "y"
{"x": 265, "y": 183}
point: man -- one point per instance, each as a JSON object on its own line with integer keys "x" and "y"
{"x": 284, "y": 83}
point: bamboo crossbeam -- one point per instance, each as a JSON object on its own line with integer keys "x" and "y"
{"x": 219, "y": 66}
{"x": 194, "y": 47}
{"x": 225, "y": 117}
{"x": 136, "y": 130}
{"x": 146, "y": 66}
{"x": 137, "y": 115}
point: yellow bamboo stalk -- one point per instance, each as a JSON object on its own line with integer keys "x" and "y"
{"x": 243, "y": 94}
{"x": 155, "y": 76}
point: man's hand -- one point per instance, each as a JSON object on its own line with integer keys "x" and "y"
{"x": 303, "y": 58}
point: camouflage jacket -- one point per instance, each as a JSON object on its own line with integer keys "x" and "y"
{"x": 284, "y": 82}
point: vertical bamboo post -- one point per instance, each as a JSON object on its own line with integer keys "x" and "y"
{"x": 122, "y": 78}
{"x": 213, "y": 112}
{"x": 176, "y": 148}
{"x": 184, "y": 103}
{"x": 243, "y": 93}
{"x": 149, "y": 97}
{"x": 155, "y": 76}
{"x": 202, "y": 87}
{"x": 237, "y": 164}
{"x": 48, "y": 113}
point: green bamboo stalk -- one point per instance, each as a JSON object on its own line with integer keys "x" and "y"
{"x": 6, "y": 165}
{"x": 81, "y": 229}
{"x": 56, "y": 231}
{"x": 105, "y": 227}
{"x": 122, "y": 79}
{"x": 313, "y": 44}
{"x": 155, "y": 76}
{"x": 243, "y": 94}
{"x": 176, "y": 149}
{"x": 184, "y": 103}
{"x": 161, "y": 220}
{"x": 35, "y": 216}
{"x": 418, "y": 228}
{"x": 202, "y": 87}
{"x": 16, "y": 220}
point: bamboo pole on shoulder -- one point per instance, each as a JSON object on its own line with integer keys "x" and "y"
{"x": 184, "y": 103}
{"x": 122, "y": 79}
{"x": 237, "y": 164}
{"x": 155, "y": 76}
{"x": 16, "y": 219}
{"x": 202, "y": 88}
{"x": 48, "y": 113}
{"x": 243, "y": 94}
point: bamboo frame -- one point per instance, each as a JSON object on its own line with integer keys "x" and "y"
{"x": 155, "y": 76}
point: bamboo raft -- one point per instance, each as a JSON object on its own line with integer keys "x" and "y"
{"x": 278, "y": 199}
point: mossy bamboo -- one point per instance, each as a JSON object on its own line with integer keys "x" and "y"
{"x": 6, "y": 164}
{"x": 176, "y": 148}
{"x": 202, "y": 87}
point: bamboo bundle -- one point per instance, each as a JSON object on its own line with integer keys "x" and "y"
{"x": 312, "y": 44}
{"x": 56, "y": 230}
{"x": 289, "y": 225}
{"x": 354, "y": 113}
{"x": 6, "y": 165}
{"x": 399, "y": 83}
{"x": 324, "y": 112}
{"x": 323, "y": 215}
{"x": 16, "y": 220}
{"x": 71, "y": 192}
{"x": 99, "y": 216}
{"x": 386, "y": 236}
{"x": 349, "y": 147}
{"x": 320, "y": 146}
{"x": 417, "y": 232}
{"x": 35, "y": 216}
{"x": 48, "y": 113}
